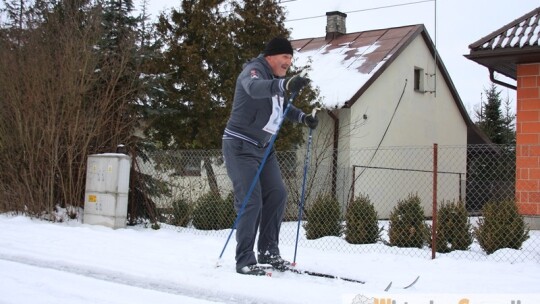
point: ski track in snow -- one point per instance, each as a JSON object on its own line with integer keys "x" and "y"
{"x": 131, "y": 280}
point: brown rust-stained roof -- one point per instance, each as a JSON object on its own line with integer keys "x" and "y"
{"x": 369, "y": 53}
{"x": 364, "y": 56}
{"x": 516, "y": 42}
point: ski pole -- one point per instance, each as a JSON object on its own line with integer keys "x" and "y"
{"x": 302, "y": 196}
{"x": 254, "y": 182}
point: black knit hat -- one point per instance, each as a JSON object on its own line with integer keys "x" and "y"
{"x": 278, "y": 45}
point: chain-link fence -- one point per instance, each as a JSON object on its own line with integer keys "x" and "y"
{"x": 424, "y": 201}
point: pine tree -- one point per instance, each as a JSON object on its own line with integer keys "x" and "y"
{"x": 118, "y": 23}
{"x": 207, "y": 44}
{"x": 126, "y": 50}
{"x": 191, "y": 109}
{"x": 486, "y": 169}
{"x": 498, "y": 127}
{"x": 198, "y": 50}
{"x": 255, "y": 22}
{"x": 509, "y": 131}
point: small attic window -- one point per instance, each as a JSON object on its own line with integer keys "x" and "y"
{"x": 419, "y": 80}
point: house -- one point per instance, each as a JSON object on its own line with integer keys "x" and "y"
{"x": 383, "y": 89}
{"x": 514, "y": 51}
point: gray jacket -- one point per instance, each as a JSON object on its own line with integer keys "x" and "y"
{"x": 258, "y": 105}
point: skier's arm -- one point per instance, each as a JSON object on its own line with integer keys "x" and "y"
{"x": 297, "y": 115}
{"x": 258, "y": 88}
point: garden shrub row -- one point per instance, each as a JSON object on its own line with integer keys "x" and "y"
{"x": 500, "y": 226}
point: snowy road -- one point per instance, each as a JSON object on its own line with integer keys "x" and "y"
{"x": 73, "y": 263}
{"x": 57, "y": 282}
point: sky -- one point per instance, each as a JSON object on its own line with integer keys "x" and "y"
{"x": 70, "y": 262}
{"x": 452, "y": 24}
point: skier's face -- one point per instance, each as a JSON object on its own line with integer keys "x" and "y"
{"x": 280, "y": 63}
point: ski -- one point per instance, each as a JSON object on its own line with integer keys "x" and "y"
{"x": 324, "y": 275}
{"x": 315, "y": 274}
{"x": 331, "y": 276}
{"x": 412, "y": 283}
{"x": 404, "y": 287}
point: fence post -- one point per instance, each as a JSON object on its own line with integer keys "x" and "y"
{"x": 434, "y": 213}
{"x": 352, "y": 186}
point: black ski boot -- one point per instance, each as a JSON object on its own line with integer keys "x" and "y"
{"x": 252, "y": 270}
{"x": 275, "y": 260}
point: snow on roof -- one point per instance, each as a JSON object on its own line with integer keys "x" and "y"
{"x": 522, "y": 32}
{"x": 518, "y": 42}
{"x": 341, "y": 66}
{"x": 335, "y": 71}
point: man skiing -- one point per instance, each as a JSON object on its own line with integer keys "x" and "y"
{"x": 258, "y": 108}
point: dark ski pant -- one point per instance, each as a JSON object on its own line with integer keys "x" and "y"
{"x": 266, "y": 205}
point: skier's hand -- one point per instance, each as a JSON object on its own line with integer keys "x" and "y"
{"x": 295, "y": 83}
{"x": 311, "y": 121}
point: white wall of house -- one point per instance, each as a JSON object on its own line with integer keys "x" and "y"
{"x": 421, "y": 118}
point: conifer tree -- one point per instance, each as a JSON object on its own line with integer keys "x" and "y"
{"x": 197, "y": 61}
{"x": 497, "y": 127}
{"x": 207, "y": 44}
{"x": 509, "y": 131}
{"x": 197, "y": 52}
{"x": 487, "y": 170}
{"x": 255, "y": 22}
{"x": 140, "y": 33}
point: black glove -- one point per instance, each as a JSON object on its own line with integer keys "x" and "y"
{"x": 311, "y": 121}
{"x": 295, "y": 84}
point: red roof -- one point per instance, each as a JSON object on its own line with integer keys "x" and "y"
{"x": 388, "y": 41}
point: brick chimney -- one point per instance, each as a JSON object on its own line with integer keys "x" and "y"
{"x": 335, "y": 24}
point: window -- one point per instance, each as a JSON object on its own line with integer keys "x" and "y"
{"x": 419, "y": 80}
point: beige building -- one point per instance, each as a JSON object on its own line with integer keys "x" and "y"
{"x": 383, "y": 89}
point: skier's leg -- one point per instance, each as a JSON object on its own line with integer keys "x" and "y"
{"x": 242, "y": 160}
{"x": 274, "y": 197}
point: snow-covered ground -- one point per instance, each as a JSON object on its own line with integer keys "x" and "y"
{"x": 43, "y": 262}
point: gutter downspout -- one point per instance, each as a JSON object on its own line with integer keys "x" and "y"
{"x": 334, "y": 151}
{"x": 504, "y": 84}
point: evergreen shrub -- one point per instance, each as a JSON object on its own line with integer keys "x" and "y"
{"x": 229, "y": 213}
{"x": 407, "y": 226}
{"x": 212, "y": 212}
{"x": 323, "y": 218}
{"x": 501, "y": 226}
{"x": 453, "y": 229}
{"x": 181, "y": 212}
{"x": 361, "y": 222}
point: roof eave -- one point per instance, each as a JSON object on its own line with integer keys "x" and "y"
{"x": 505, "y": 61}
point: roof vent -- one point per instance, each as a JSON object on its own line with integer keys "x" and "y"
{"x": 335, "y": 24}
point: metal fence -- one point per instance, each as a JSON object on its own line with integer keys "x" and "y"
{"x": 448, "y": 188}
